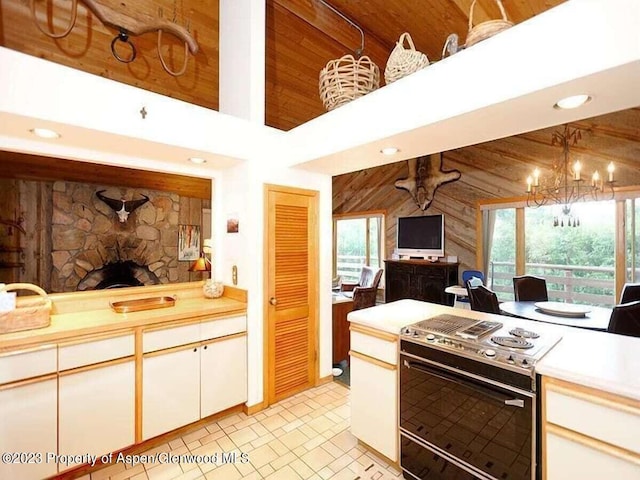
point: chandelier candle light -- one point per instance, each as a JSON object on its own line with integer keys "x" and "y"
{"x": 564, "y": 186}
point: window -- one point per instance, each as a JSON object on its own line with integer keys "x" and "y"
{"x": 502, "y": 259}
{"x": 357, "y": 241}
{"x": 577, "y": 262}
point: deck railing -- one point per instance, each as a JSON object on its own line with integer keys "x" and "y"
{"x": 565, "y": 283}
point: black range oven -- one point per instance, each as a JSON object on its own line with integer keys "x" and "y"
{"x": 466, "y": 411}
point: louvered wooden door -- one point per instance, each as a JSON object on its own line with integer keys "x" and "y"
{"x": 291, "y": 291}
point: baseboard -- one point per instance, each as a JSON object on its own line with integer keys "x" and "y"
{"x": 253, "y": 409}
{"x": 323, "y": 380}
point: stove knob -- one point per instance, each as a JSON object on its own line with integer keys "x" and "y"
{"x": 406, "y": 331}
{"x": 511, "y": 359}
{"x": 525, "y": 364}
{"x": 431, "y": 337}
{"x": 416, "y": 334}
{"x": 490, "y": 353}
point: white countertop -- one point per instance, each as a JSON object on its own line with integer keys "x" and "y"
{"x": 600, "y": 360}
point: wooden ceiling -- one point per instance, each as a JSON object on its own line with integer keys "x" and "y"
{"x": 302, "y": 36}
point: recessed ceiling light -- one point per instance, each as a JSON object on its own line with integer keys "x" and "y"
{"x": 389, "y": 150}
{"x": 44, "y": 133}
{"x": 574, "y": 101}
{"x": 197, "y": 160}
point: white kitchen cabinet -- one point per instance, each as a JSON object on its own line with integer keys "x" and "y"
{"x": 170, "y": 391}
{"x": 589, "y": 434}
{"x": 374, "y": 386}
{"x": 374, "y": 406}
{"x": 97, "y": 409}
{"x": 28, "y": 423}
{"x": 223, "y": 374}
{"x": 28, "y": 411}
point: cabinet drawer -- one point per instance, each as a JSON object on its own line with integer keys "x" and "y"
{"x": 384, "y": 350}
{"x": 617, "y": 426}
{"x": 222, "y": 327}
{"x": 170, "y": 337}
{"x": 95, "y": 351}
{"x": 23, "y": 364}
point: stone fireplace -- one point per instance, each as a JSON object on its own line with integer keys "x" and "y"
{"x": 92, "y": 249}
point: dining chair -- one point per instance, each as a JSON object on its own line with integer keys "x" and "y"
{"x": 466, "y": 276}
{"x": 528, "y": 288}
{"x": 630, "y": 293}
{"x": 625, "y": 319}
{"x": 482, "y": 299}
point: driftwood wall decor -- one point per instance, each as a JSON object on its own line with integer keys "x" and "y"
{"x": 425, "y": 176}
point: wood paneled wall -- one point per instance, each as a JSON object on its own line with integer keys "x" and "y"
{"x": 36, "y": 167}
{"x": 88, "y": 46}
{"x": 495, "y": 169}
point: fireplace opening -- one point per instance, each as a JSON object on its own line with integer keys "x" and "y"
{"x": 118, "y": 275}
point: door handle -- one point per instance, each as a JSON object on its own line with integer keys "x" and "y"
{"x": 515, "y": 402}
{"x": 273, "y": 301}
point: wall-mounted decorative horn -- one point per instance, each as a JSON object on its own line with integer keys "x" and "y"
{"x": 122, "y": 207}
{"x": 128, "y": 25}
{"x": 425, "y": 176}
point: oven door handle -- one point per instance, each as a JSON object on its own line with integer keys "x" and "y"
{"x": 489, "y": 392}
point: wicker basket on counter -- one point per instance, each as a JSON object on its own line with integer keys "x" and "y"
{"x": 404, "y": 61}
{"x": 484, "y": 30}
{"x": 31, "y": 312}
{"x": 346, "y": 79}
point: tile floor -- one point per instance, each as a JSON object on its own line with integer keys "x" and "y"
{"x": 302, "y": 437}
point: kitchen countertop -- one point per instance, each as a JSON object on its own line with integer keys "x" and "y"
{"x": 65, "y": 326}
{"x": 600, "y": 360}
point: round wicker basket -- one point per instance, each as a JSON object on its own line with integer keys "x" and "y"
{"x": 404, "y": 61}
{"x": 346, "y": 79}
{"x": 484, "y": 30}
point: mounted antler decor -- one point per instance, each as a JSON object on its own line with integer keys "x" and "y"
{"x": 122, "y": 207}
{"x": 425, "y": 176}
{"x": 129, "y": 24}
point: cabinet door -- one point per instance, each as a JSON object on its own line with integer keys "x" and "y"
{"x": 28, "y": 423}
{"x": 97, "y": 410}
{"x": 170, "y": 391}
{"x": 374, "y": 406}
{"x": 570, "y": 459}
{"x": 223, "y": 375}
{"x": 429, "y": 288}
{"x": 397, "y": 282}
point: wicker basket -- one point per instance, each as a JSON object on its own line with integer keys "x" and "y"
{"x": 404, "y": 61}
{"x": 487, "y": 29}
{"x": 346, "y": 79}
{"x": 32, "y": 312}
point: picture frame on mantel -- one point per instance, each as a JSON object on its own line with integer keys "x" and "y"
{"x": 188, "y": 243}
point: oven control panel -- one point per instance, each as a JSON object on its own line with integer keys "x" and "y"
{"x": 472, "y": 349}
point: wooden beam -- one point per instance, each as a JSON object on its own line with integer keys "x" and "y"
{"x": 39, "y": 168}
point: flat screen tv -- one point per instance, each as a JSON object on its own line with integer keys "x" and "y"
{"x": 421, "y": 236}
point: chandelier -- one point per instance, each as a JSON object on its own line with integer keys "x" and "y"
{"x": 565, "y": 185}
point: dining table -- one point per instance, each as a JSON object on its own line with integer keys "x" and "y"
{"x": 582, "y": 316}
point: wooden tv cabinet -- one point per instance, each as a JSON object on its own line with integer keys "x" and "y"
{"x": 419, "y": 280}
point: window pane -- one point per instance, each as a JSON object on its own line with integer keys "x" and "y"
{"x": 502, "y": 259}
{"x": 577, "y": 262}
{"x": 632, "y": 223}
{"x": 374, "y": 242}
{"x": 350, "y": 248}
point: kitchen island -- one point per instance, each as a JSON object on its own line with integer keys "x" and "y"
{"x": 589, "y": 392}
